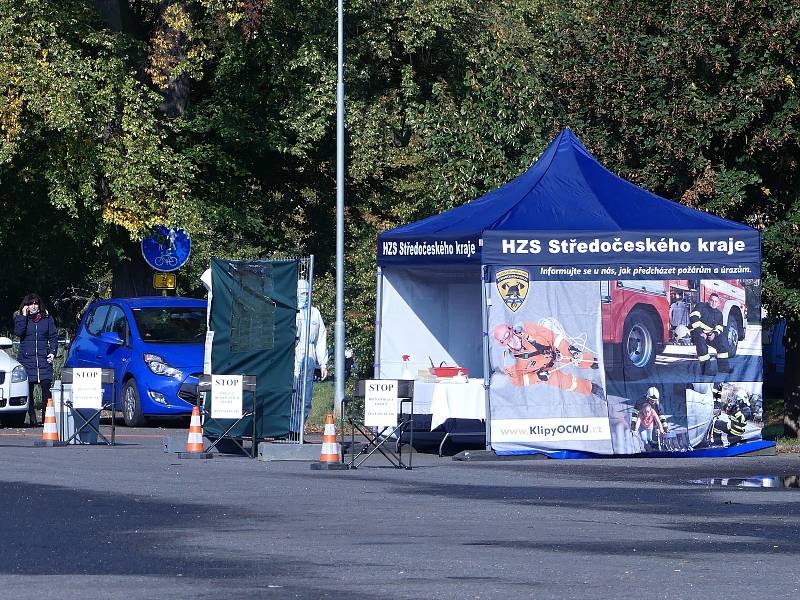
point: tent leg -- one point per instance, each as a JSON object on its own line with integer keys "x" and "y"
{"x": 378, "y": 317}
{"x": 486, "y": 291}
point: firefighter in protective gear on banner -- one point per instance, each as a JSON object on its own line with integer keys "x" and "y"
{"x": 540, "y": 355}
{"x": 733, "y": 427}
{"x": 708, "y": 330}
{"x": 312, "y": 351}
{"x": 716, "y": 395}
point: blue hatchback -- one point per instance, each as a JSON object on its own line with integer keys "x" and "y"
{"x": 155, "y": 346}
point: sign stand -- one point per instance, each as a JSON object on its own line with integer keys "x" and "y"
{"x": 384, "y": 431}
{"x": 68, "y": 375}
{"x": 248, "y": 385}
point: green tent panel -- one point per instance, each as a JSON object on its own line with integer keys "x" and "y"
{"x": 253, "y": 310}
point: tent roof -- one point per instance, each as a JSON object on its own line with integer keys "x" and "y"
{"x": 566, "y": 190}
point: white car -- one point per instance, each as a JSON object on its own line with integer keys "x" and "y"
{"x": 13, "y": 388}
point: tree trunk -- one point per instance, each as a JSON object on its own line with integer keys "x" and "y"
{"x": 115, "y": 13}
{"x": 791, "y": 379}
{"x": 132, "y": 276}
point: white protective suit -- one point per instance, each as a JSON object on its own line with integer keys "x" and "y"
{"x": 314, "y": 352}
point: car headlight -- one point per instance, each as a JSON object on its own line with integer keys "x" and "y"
{"x": 160, "y": 367}
{"x": 18, "y": 374}
{"x": 157, "y": 396}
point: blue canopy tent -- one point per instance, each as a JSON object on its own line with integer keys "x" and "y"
{"x": 567, "y": 218}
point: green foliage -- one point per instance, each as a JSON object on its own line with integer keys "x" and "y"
{"x": 82, "y": 154}
{"x": 696, "y": 101}
{"x": 446, "y": 100}
{"x": 78, "y": 123}
{"x": 219, "y": 116}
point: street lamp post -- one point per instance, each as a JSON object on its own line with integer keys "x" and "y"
{"x": 339, "y": 325}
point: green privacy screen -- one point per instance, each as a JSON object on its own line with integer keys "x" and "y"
{"x": 253, "y": 312}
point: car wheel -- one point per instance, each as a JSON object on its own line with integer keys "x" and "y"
{"x": 732, "y": 333}
{"x": 131, "y": 407}
{"x": 638, "y": 343}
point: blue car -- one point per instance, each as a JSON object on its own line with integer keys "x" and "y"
{"x": 155, "y": 346}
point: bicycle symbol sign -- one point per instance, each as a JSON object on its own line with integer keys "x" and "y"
{"x": 166, "y": 259}
{"x": 166, "y": 249}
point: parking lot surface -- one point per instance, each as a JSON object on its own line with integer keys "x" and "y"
{"x": 132, "y": 521}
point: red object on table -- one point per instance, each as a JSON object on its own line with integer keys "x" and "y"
{"x": 449, "y": 371}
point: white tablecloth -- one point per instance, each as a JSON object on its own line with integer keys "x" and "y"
{"x": 450, "y": 400}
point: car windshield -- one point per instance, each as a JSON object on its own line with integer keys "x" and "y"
{"x": 171, "y": 325}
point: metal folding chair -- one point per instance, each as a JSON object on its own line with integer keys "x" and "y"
{"x": 107, "y": 377}
{"x": 248, "y": 385}
{"x": 382, "y": 441}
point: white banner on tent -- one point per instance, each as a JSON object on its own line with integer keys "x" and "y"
{"x": 380, "y": 403}
{"x": 434, "y": 316}
{"x": 547, "y": 384}
{"x": 550, "y": 430}
{"x": 226, "y": 396}
{"x": 87, "y": 388}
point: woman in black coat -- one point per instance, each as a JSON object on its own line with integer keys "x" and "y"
{"x": 37, "y": 348}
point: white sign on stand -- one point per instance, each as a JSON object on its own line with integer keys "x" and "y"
{"x": 226, "y": 396}
{"x": 87, "y": 388}
{"x": 380, "y": 403}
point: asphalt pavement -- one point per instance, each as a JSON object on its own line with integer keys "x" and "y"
{"x": 131, "y": 521}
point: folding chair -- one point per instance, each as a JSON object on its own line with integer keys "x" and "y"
{"x": 107, "y": 377}
{"x": 381, "y": 441}
{"x": 248, "y": 385}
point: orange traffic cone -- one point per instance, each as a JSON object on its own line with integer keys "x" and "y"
{"x": 50, "y": 431}
{"x": 194, "y": 443}
{"x": 330, "y": 447}
{"x": 329, "y": 455}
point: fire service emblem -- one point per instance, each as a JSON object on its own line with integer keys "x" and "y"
{"x": 513, "y": 287}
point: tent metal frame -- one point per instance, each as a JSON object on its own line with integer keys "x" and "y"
{"x": 486, "y": 291}
{"x": 299, "y": 393}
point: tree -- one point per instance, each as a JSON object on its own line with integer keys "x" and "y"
{"x": 82, "y": 156}
{"x": 219, "y": 116}
{"x": 445, "y": 100}
{"x": 697, "y": 101}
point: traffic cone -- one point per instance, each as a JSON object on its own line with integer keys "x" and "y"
{"x": 329, "y": 455}
{"x": 330, "y": 447}
{"x": 194, "y": 443}
{"x": 49, "y": 431}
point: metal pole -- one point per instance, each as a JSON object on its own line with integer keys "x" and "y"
{"x": 486, "y": 294}
{"x": 62, "y": 427}
{"x": 113, "y": 410}
{"x": 376, "y": 372}
{"x": 254, "y": 443}
{"x": 339, "y": 327}
{"x": 307, "y": 337}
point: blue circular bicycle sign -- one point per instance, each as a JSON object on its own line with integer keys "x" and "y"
{"x": 166, "y": 249}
